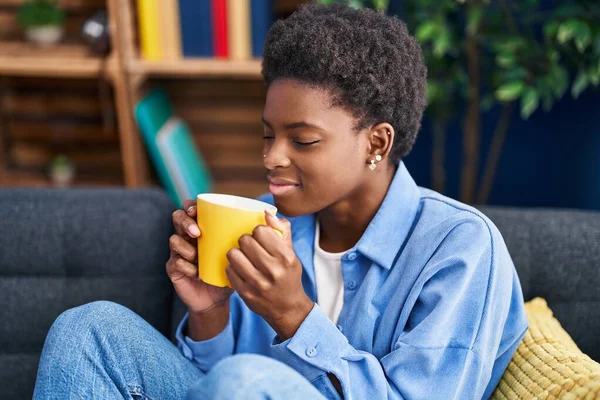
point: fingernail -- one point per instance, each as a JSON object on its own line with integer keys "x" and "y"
{"x": 193, "y": 230}
{"x": 191, "y": 209}
{"x": 272, "y": 213}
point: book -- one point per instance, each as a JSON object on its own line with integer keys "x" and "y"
{"x": 170, "y": 29}
{"x": 261, "y": 19}
{"x": 219, "y": 25}
{"x": 149, "y": 30}
{"x": 178, "y": 163}
{"x": 183, "y": 163}
{"x": 238, "y": 29}
{"x": 179, "y": 191}
{"x": 196, "y": 28}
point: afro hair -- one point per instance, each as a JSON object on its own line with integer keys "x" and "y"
{"x": 369, "y": 62}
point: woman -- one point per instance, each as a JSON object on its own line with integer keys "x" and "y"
{"x": 378, "y": 289}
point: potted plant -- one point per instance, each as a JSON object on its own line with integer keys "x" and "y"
{"x": 42, "y": 21}
{"x": 62, "y": 171}
{"x": 518, "y": 55}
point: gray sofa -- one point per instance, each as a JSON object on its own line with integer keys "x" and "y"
{"x": 63, "y": 248}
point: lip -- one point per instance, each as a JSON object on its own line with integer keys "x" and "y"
{"x": 281, "y": 181}
{"x": 281, "y": 186}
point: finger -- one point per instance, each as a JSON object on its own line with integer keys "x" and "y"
{"x": 190, "y": 207}
{"x": 255, "y": 252}
{"x": 280, "y": 224}
{"x": 185, "y": 224}
{"x": 183, "y": 248}
{"x": 271, "y": 242}
{"x": 237, "y": 283}
{"x": 178, "y": 264}
{"x": 246, "y": 270}
{"x": 268, "y": 241}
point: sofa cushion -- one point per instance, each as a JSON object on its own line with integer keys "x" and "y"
{"x": 557, "y": 256}
{"x": 548, "y": 363}
{"x": 63, "y": 248}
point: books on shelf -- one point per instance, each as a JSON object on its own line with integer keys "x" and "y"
{"x": 227, "y": 29}
{"x": 179, "y": 165}
{"x": 220, "y": 32}
{"x": 261, "y": 19}
{"x": 196, "y": 28}
{"x": 150, "y": 38}
{"x": 170, "y": 29}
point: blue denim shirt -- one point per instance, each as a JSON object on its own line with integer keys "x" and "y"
{"x": 433, "y": 307}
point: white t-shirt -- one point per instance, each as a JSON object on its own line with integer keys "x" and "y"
{"x": 330, "y": 283}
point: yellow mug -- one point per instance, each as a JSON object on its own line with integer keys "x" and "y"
{"x": 222, "y": 220}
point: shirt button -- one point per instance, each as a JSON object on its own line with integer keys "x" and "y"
{"x": 351, "y": 285}
{"x": 340, "y": 328}
{"x": 352, "y": 256}
{"x": 311, "y": 352}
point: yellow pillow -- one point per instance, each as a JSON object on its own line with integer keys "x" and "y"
{"x": 547, "y": 363}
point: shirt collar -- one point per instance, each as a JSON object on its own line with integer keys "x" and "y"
{"x": 389, "y": 229}
{"x": 303, "y": 239}
{"x": 383, "y": 237}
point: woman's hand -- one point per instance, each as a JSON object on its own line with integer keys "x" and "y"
{"x": 182, "y": 267}
{"x": 268, "y": 276}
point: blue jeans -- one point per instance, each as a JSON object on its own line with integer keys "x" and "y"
{"x": 102, "y": 350}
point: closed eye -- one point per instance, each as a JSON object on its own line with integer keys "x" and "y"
{"x": 306, "y": 143}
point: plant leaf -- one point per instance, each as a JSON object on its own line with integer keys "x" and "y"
{"x": 356, "y": 4}
{"x": 547, "y": 103}
{"x": 583, "y": 36}
{"x": 529, "y": 102}
{"x": 579, "y": 85}
{"x": 560, "y": 76}
{"x": 380, "y": 5}
{"x": 593, "y": 75}
{"x": 441, "y": 44}
{"x": 506, "y": 60}
{"x": 434, "y": 91}
{"x": 426, "y": 31}
{"x": 551, "y": 30}
{"x": 566, "y": 31}
{"x": 509, "y": 91}
{"x": 517, "y": 73}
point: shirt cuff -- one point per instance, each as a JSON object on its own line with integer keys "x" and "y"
{"x": 207, "y": 353}
{"x": 316, "y": 347}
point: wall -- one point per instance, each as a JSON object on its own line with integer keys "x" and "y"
{"x": 552, "y": 159}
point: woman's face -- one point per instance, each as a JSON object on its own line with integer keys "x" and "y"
{"x": 313, "y": 155}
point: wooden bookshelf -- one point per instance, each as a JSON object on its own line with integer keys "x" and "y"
{"x": 61, "y": 61}
{"x": 221, "y": 100}
{"x": 37, "y": 179}
{"x": 199, "y": 67}
{"x": 65, "y": 4}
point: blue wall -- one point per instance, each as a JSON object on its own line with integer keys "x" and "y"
{"x": 552, "y": 159}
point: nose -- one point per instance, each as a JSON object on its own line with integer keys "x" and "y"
{"x": 275, "y": 155}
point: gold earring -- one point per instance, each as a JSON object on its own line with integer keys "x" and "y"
{"x": 372, "y": 166}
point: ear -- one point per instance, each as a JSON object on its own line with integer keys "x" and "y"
{"x": 381, "y": 138}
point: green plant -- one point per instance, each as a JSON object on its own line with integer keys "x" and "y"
{"x": 516, "y": 54}
{"x": 61, "y": 162}
{"x": 380, "y": 5}
{"x": 512, "y": 53}
{"x": 36, "y": 13}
